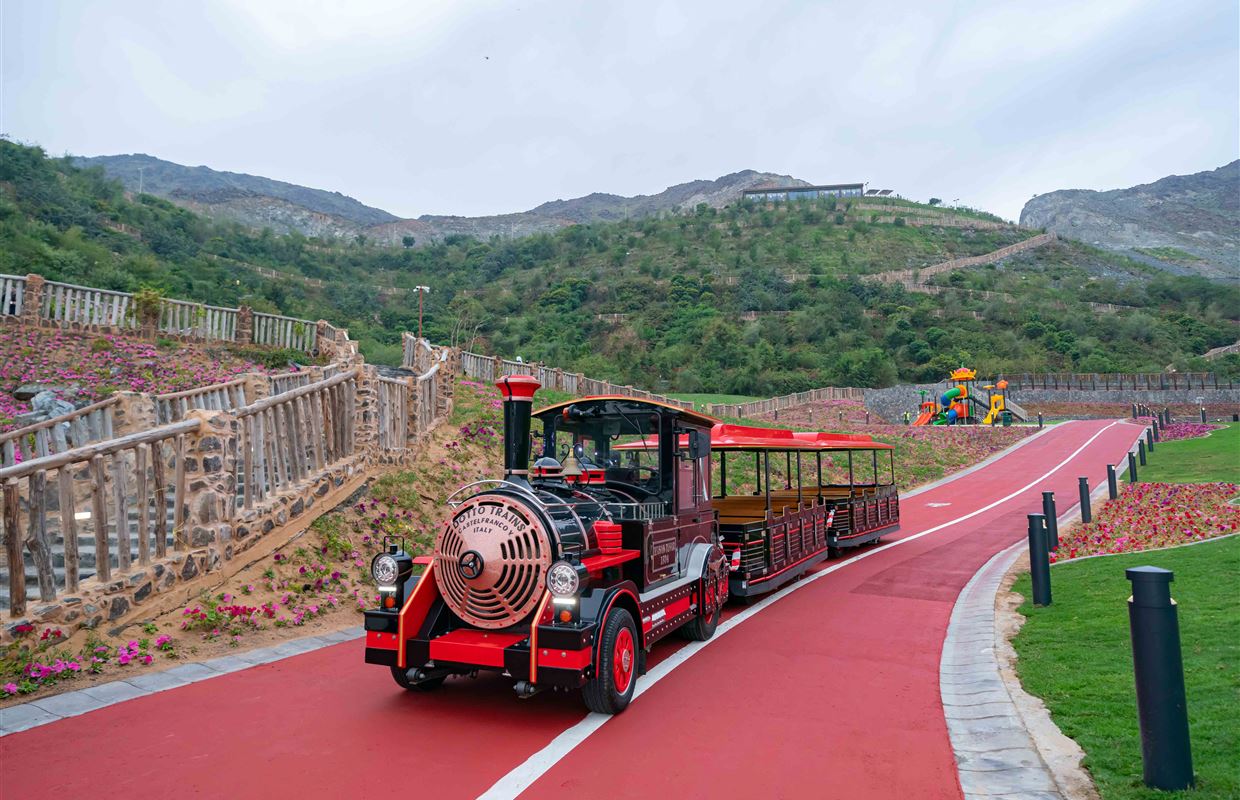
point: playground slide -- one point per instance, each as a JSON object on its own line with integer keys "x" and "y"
{"x": 947, "y": 401}
{"x": 923, "y": 418}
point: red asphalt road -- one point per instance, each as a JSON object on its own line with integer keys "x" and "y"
{"x": 833, "y": 691}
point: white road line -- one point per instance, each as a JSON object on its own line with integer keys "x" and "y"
{"x": 534, "y": 767}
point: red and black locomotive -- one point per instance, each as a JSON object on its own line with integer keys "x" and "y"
{"x": 565, "y": 572}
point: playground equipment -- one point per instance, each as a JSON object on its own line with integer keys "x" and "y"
{"x": 998, "y": 401}
{"x": 959, "y": 404}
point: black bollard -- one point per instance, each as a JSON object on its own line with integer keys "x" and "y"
{"x": 1149, "y": 439}
{"x": 1039, "y": 561}
{"x": 1052, "y": 520}
{"x": 1134, "y": 410}
{"x": 867, "y": 418}
{"x": 1203, "y": 415}
{"x": 1157, "y": 431}
{"x": 1158, "y": 666}
{"x": 1039, "y": 419}
{"x": 1235, "y": 417}
{"x": 1087, "y": 514}
{"x": 1141, "y": 451}
{"x": 1132, "y": 468}
{"x": 1112, "y": 486}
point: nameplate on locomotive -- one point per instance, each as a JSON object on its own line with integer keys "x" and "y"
{"x": 491, "y": 520}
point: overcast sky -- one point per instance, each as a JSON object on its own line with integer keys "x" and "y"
{"x": 479, "y": 108}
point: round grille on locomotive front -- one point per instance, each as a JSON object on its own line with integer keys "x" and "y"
{"x": 490, "y": 561}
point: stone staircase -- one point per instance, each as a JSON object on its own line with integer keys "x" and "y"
{"x": 87, "y": 554}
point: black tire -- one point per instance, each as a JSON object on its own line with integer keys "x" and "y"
{"x": 701, "y": 628}
{"x": 402, "y": 680}
{"x": 611, "y": 689}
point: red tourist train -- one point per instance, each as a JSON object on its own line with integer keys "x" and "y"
{"x": 563, "y": 574}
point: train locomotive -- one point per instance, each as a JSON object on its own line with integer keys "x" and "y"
{"x": 564, "y": 573}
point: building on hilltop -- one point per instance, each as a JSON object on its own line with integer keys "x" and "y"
{"x": 784, "y": 193}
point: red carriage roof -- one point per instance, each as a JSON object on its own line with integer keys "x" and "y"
{"x": 749, "y": 437}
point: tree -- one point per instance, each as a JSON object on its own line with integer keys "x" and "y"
{"x": 408, "y": 241}
{"x": 934, "y": 201}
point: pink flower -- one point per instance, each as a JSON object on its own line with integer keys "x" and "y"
{"x": 147, "y": 659}
{"x": 10, "y": 688}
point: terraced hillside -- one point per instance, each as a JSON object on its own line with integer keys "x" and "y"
{"x": 740, "y": 299}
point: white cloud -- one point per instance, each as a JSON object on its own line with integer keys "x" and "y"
{"x": 475, "y": 108}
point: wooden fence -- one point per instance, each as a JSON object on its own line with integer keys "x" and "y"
{"x": 394, "y": 399}
{"x": 785, "y": 401}
{"x": 286, "y": 438}
{"x": 173, "y": 406}
{"x": 197, "y": 321}
{"x": 12, "y": 294}
{"x": 287, "y": 381}
{"x": 1149, "y": 381}
{"x": 82, "y": 426}
{"x": 72, "y": 306}
{"x": 289, "y": 332}
{"x": 427, "y": 388}
{"x": 41, "y": 498}
{"x": 68, "y": 304}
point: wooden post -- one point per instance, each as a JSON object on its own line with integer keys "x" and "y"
{"x": 179, "y": 539}
{"x": 143, "y": 501}
{"x": 161, "y": 500}
{"x": 13, "y": 549}
{"x": 68, "y": 528}
{"x": 37, "y": 539}
{"x": 121, "y": 506}
{"x": 99, "y": 518}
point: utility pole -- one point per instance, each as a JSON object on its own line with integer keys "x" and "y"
{"x": 421, "y": 290}
{"x": 140, "y": 176}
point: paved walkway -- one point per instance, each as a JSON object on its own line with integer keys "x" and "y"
{"x": 829, "y": 688}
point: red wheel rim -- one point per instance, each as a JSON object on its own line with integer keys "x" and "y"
{"x": 622, "y": 660}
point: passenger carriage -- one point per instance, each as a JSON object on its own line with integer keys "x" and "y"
{"x": 565, "y": 572}
{"x": 813, "y": 494}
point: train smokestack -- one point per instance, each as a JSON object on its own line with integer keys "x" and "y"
{"x": 518, "y": 392}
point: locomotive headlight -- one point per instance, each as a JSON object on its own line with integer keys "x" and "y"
{"x": 385, "y": 569}
{"x": 563, "y": 580}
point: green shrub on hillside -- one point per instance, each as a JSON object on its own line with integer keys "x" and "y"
{"x": 744, "y": 299}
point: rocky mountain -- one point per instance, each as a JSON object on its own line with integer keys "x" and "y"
{"x": 250, "y": 199}
{"x": 1186, "y": 224}
{"x": 284, "y": 207}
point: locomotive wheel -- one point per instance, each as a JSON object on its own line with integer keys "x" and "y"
{"x": 701, "y": 628}
{"x": 612, "y": 687}
{"x": 402, "y": 680}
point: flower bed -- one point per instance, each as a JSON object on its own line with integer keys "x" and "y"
{"x": 317, "y": 583}
{"x": 1185, "y": 430}
{"x": 1147, "y": 516}
{"x": 90, "y": 367}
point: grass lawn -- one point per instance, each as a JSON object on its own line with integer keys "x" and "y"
{"x": 700, "y": 401}
{"x": 1076, "y": 655}
{"x": 1207, "y": 459}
